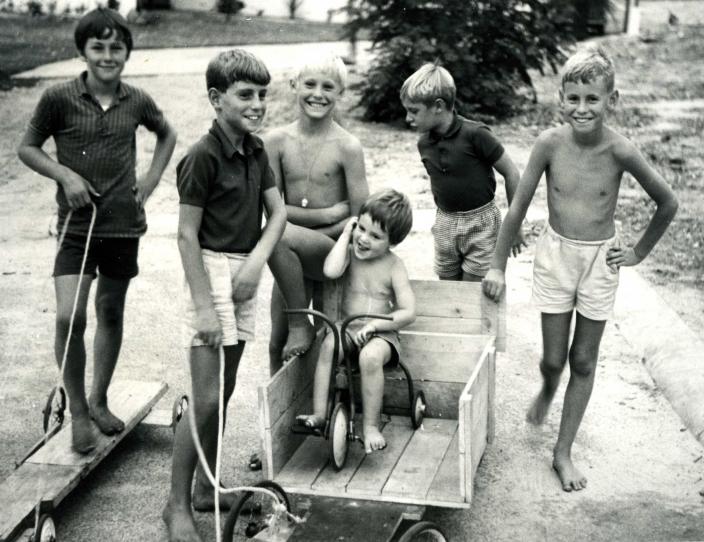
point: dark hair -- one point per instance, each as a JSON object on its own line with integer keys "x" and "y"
{"x": 235, "y": 65}
{"x": 100, "y": 24}
{"x": 392, "y": 211}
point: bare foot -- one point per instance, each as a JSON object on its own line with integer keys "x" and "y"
{"x": 299, "y": 340}
{"x": 311, "y": 421}
{"x": 179, "y": 524}
{"x": 82, "y": 435}
{"x": 538, "y": 410}
{"x": 373, "y": 439}
{"x": 204, "y": 499}
{"x": 107, "y": 422}
{"x": 570, "y": 477}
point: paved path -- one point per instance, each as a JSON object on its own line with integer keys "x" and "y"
{"x": 194, "y": 60}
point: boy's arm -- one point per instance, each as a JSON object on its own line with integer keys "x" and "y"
{"x": 248, "y": 277}
{"x": 494, "y": 282}
{"x": 339, "y": 257}
{"x": 207, "y": 324}
{"x": 666, "y": 207}
{"x": 165, "y": 143}
{"x": 77, "y": 190}
{"x": 508, "y": 170}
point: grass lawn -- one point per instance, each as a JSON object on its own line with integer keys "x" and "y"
{"x": 27, "y": 42}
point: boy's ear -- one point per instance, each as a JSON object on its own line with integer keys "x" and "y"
{"x": 214, "y": 97}
{"x": 613, "y": 99}
{"x": 293, "y": 83}
{"x": 439, "y": 105}
{"x": 560, "y": 96}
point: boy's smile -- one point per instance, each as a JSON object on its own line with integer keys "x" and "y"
{"x": 369, "y": 240}
{"x": 317, "y": 93}
{"x": 105, "y": 58}
{"x": 585, "y": 105}
{"x": 242, "y": 106}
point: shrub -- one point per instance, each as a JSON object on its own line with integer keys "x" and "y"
{"x": 488, "y": 46}
{"x": 229, "y": 7}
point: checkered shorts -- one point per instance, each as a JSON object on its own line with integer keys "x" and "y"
{"x": 465, "y": 240}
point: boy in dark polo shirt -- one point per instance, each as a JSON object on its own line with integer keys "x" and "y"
{"x": 460, "y": 156}
{"x": 224, "y": 183}
{"x": 92, "y": 120}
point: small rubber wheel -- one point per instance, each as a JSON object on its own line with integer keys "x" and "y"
{"x": 337, "y": 441}
{"x": 46, "y": 530}
{"x": 423, "y": 531}
{"x": 53, "y": 413}
{"x": 418, "y": 409}
{"x": 179, "y": 409}
{"x": 252, "y": 512}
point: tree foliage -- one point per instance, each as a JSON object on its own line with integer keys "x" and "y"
{"x": 488, "y": 46}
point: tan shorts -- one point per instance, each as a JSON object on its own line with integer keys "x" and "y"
{"x": 237, "y": 319}
{"x": 570, "y": 274}
{"x": 465, "y": 241}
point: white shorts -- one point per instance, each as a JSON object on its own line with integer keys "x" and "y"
{"x": 570, "y": 274}
{"x": 237, "y": 320}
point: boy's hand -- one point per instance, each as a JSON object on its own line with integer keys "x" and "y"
{"x": 77, "y": 190}
{"x": 518, "y": 243}
{"x": 494, "y": 284}
{"x": 621, "y": 257}
{"x": 208, "y": 327}
{"x": 338, "y": 212}
{"x": 363, "y": 335}
{"x": 350, "y": 226}
{"x": 142, "y": 190}
{"x": 246, "y": 282}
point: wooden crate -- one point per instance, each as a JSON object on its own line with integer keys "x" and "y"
{"x": 451, "y": 351}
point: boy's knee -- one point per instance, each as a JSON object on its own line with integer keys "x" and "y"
{"x": 108, "y": 314}
{"x": 583, "y": 361}
{"x": 551, "y": 367}
{"x": 63, "y": 323}
{"x": 369, "y": 361}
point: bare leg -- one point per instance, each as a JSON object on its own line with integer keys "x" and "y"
{"x": 83, "y": 438}
{"x": 109, "y": 309}
{"x": 321, "y": 386}
{"x": 372, "y": 358}
{"x": 279, "y": 330}
{"x": 298, "y": 255}
{"x": 204, "y": 363}
{"x": 584, "y": 353}
{"x": 556, "y": 333}
{"x": 203, "y": 495}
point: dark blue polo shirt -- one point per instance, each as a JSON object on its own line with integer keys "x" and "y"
{"x": 460, "y": 164}
{"x": 99, "y": 145}
{"x": 229, "y": 186}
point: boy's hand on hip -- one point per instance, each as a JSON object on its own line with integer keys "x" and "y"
{"x": 246, "y": 282}
{"x": 77, "y": 190}
{"x": 621, "y": 257}
{"x": 494, "y": 284}
{"x": 142, "y": 190}
{"x": 518, "y": 244}
{"x": 208, "y": 327}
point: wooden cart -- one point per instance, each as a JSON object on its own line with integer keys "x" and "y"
{"x": 450, "y": 350}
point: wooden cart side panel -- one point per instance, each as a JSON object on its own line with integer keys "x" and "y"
{"x": 441, "y": 397}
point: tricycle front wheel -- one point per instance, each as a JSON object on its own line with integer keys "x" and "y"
{"x": 423, "y": 531}
{"x": 338, "y": 441}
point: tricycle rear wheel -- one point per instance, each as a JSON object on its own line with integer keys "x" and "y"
{"x": 253, "y": 512}
{"x": 423, "y": 530}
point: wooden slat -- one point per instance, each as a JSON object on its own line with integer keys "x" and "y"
{"x": 416, "y": 468}
{"x": 29, "y": 484}
{"x": 441, "y": 397}
{"x": 370, "y": 477}
{"x": 491, "y": 423}
{"x": 448, "y": 299}
{"x": 436, "y": 324}
{"x": 129, "y": 401}
{"x": 306, "y": 463}
{"x": 331, "y": 480}
{"x": 446, "y": 484}
{"x": 284, "y": 442}
{"x": 441, "y": 357}
{"x": 465, "y": 447}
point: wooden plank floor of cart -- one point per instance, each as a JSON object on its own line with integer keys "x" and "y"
{"x": 54, "y": 470}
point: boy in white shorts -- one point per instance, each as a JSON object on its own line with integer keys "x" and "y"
{"x": 224, "y": 184}
{"x": 578, "y": 255}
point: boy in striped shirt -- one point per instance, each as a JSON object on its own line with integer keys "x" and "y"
{"x": 93, "y": 120}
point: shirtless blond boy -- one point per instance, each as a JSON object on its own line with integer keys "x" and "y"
{"x": 578, "y": 254}
{"x": 375, "y": 281}
{"x": 319, "y": 168}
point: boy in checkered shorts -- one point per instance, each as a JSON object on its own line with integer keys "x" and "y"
{"x": 460, "y": 156}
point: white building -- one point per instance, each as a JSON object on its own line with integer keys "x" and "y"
{"x": 312, "y": 10}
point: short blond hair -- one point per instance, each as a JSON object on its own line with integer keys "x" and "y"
{"x": 429, "y": 83}
{"x": 328, "y": 64}
{"x": 587, "y": 64}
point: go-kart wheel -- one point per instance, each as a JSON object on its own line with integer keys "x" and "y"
{"x": 45, "y": 530}
{"x": 179, "y": 409}
{"x": 418, "y": 409}
{"x": 421, "y": 531}
{"x": 53, "y": 413}
{"x": 337, "y": 440}
{"x": 253, "y": 512}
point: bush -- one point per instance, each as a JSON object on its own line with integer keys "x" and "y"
{"x": 229, "y": 7}
{"x": 488, "y": 46}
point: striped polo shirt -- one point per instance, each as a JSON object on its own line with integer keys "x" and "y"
{"x": 99, "y": 145}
